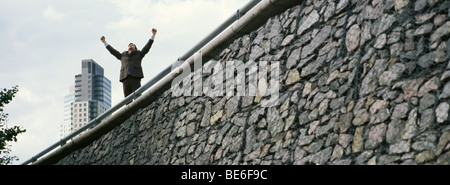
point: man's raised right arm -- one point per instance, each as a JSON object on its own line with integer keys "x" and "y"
{"x": 111, "y": 49}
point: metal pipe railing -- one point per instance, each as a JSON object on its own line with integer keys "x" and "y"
{"x": 138, "y": 92}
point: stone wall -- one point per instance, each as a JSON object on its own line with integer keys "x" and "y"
{"x": 361, "y": 82}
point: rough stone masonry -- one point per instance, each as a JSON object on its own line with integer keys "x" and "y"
{"x": 361, "y": 82}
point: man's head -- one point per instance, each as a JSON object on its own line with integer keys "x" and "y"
{"x": 132, "y": 47}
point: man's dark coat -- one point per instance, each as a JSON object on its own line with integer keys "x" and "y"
{"x": 131, "y": 63}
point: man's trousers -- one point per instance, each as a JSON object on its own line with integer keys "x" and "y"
{"x": 130, "y": 84}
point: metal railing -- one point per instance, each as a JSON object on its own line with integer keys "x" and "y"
{"x": 138, "y": 92}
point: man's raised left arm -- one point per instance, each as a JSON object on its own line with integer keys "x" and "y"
{"x": 149, "y": 43}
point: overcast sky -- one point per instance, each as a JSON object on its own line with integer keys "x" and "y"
{"x": 43, "y": 42}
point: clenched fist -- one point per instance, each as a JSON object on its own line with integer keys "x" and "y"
{"x": 154, "y": 31}
{"x": 103, "y": 39}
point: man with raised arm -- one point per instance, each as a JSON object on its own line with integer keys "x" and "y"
{"x": 131, "y": 70}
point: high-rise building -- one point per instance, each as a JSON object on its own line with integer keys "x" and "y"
{"x": 87, "y": 99}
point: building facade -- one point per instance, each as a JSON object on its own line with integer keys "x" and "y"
{"x": 87, "y": 99}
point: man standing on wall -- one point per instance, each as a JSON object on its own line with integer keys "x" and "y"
{"x": 131, "y": 69}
